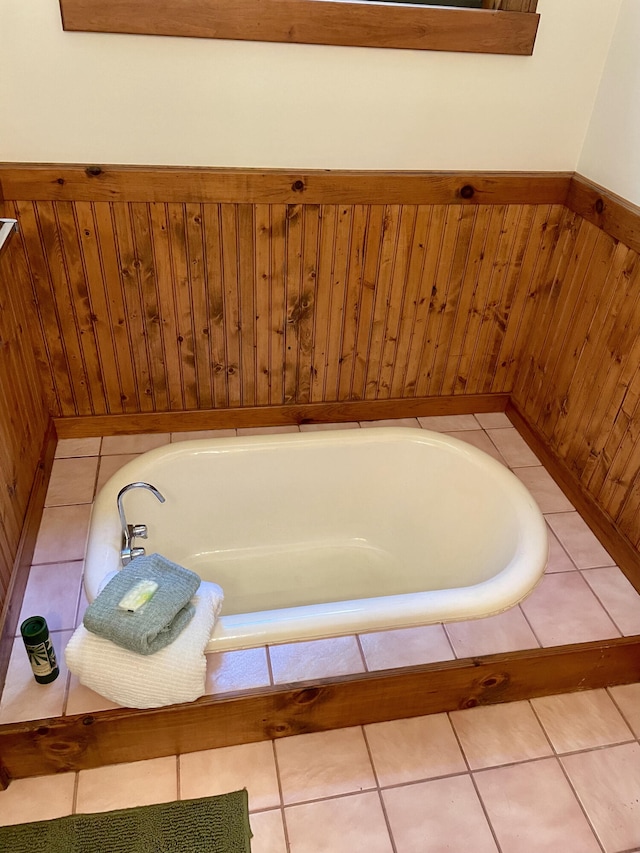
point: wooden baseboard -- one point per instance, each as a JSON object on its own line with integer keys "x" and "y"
{"x": 107, "y": 737}
{"x": 22, "y": 562}
{"x": 622, "y": 551}
{"x": 259, "y": 416}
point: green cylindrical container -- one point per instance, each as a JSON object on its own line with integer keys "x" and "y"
{"x": 42, "y": 656}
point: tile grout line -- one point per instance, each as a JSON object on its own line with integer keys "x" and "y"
{"x": 379, "y": 789}
{"x": 285, "y": 828}
{"x": 563, "y": 770}
{"x": 362, "y": 653}
{"x": 485, "y": 812}
{"x": 619, "y": 709}
{"x": 602, "y": 604}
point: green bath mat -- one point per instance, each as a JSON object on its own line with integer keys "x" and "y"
{"x": 207, "y": 825}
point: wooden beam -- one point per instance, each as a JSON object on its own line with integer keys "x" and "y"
{"x": 258, "y": 416}
{"x": 386, "y": 25}
{"x": 108, "y": 737}
{"x": 622, "y": 551}
{"x": 27, "y": 182}
{"x": 613, "y": 214}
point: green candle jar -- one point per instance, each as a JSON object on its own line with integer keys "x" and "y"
{"x": 42, "y": 657}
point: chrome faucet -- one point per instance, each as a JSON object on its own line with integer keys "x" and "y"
{"x": 130, "y": 531}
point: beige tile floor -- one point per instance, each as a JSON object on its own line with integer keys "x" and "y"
{"x": 560, "y": 773}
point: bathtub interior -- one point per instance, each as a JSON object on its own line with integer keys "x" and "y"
{"x": 324, "y": 517}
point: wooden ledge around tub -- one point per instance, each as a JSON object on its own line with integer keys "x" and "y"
{"x": 80, "y": 742}
{"x": 294, "y": 413}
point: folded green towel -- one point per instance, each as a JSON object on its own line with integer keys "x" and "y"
{"x": 157, "y": 622}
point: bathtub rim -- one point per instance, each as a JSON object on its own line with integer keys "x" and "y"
{"x": 356, "y": 615}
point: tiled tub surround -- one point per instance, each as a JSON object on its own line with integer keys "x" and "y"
{"x": 560, "y": 773}
{"x": 554, "y": 773}
{"x": 583, "y": 596}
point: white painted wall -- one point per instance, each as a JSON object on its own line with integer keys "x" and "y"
{"x": 611, "y": 153}
{"x": 80, "y": 97}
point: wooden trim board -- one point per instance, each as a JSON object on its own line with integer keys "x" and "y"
{"x": 385, "y": 25}
{"x": 57, "y": 182}
{"x": 259, "y": 416}
{"x": 108, "y": 737}
{"x": 615, "y": 215}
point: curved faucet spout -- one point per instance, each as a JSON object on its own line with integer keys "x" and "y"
{"x": 130, "y": 531}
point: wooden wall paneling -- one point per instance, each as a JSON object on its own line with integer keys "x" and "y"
{"x": 197, "y": 266}
{"x": 612, "y": 489}
{"x": 563, "y": 290}
{"x": 20, "y": 265}
{"x": 121, "y": 368}
{"x": 264, "y": 284}
{"x": 530, "y": 379}
{"x": 24, "y": 418}
{"x": 167, "y": 296}
{"x": 411, "y": 300}
{"x": 465, "y": 311}
{"x": 215, "y": 310}
{"x": 50, "y": 348}
{"x": 437, "y": 270}
{"x": 232, "y": 322}
{"x": 612, "y": 375}
{"x": 278, "y": 302}
{"x": 572, "y": 320}
{"x": 181, "y": 349}
{"x": 520, "y": 324}
{"x": 295, "y": 238}
{"x": 150, "y": 329}
{"x": 587, "y": 383}
{"x": 62, "y": 293}
{"x": 352, "y": 295}
{"x": 133, "y": 312}
{"x": 399, "y": 310}
{"x": 99, "y": 313}
{"x": 381, "y": 298}
{"x": 324, "y": 302}
{"x": 608, "y": 422}
{"x": 449, "y": 284}
{"x": 371, "y": 254}
{"x": 304, "y": 315}
{"x": 246, "y": 303}
{"x": 73, "y": 261}
{"x": 420, "y": 348}
{"x": 338, "y": 286}
{"x": 479, "y": 369}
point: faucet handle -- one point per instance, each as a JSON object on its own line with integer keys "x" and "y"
{"x": 139, "y": 530}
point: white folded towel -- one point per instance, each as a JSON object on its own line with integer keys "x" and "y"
{"x": 176, "y": 673}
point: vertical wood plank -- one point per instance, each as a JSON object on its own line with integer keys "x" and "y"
{"x": 166, "y": 295}
{"x": 229, "y": 233}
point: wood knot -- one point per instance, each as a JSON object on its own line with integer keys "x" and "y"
{"x": 93, "y": 171}
{"x": 307, "y": 695}
{"x": 88, "y": 721}
{"x": 467, "y": 191}
{"x": 599, "y": 205}
{"x": 297, "y": 186}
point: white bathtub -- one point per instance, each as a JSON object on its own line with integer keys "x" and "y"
{"x": 328, "y": 533}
